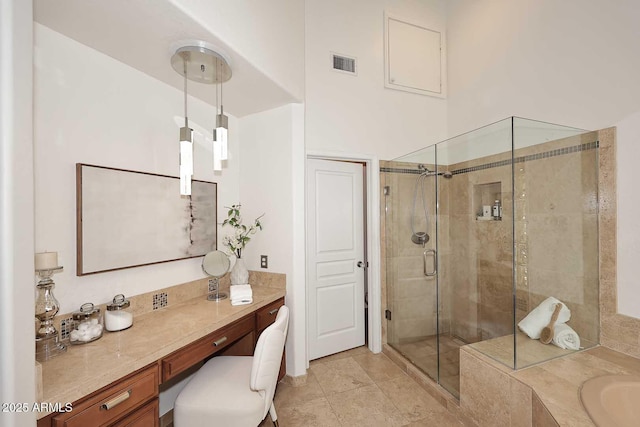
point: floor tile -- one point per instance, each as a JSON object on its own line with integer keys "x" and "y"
{"x": 342, "y": 355}
{"x": 437, "y": 419}
{"x": 365, "y": 406}
{"x": 412, "y": 401}
{"x": 340, "y": 375}
{"x": 378, "y": 366}
{"x": 359, "y": 388}
{"x": 315, "y": 413}
{"x": 288, "y": 395}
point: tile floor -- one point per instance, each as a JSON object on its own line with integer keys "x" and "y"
{"x": 424, "y": 354}
{"x": 358, "y": 388}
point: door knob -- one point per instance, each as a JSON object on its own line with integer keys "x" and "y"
{"x": 362, "y": 264}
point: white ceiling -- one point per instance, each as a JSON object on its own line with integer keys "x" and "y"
{"x": 144, "y": 34}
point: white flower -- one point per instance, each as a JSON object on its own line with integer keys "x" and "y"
{"x": 240, "y": 237}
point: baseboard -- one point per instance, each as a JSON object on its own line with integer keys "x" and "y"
{"x": 167, "y": 419}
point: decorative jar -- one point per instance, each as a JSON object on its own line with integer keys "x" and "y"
{"x": 87, "y": 324}
{"x": 118, "y": 317}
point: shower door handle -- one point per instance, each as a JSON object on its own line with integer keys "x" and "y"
{"x": 425, "y": 254}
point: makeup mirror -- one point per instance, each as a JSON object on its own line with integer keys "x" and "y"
{"x": 215, "y": 264}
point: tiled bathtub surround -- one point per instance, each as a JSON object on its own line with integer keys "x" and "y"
{"x": 544, "y": 395}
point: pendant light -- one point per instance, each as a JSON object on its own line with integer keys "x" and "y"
{"x": 186, "y": 146}
{"x": 220, "y": 134}
{"x": 203, "y": 65}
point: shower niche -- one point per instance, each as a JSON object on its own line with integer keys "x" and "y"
{"x": 487, "y": 201}
{"x": 489, "y": 277}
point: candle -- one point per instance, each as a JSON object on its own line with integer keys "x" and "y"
{"x": 47, "y": 260}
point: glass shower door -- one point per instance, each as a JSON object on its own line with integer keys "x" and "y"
{"x": 409, "y": 201}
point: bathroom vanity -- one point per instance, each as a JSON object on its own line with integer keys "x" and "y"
{"x": 115, "y": 381}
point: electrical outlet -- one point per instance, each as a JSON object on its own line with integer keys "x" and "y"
{"x": 264, "y": 261}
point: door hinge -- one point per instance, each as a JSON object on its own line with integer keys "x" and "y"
{"x": 387, "y": 314}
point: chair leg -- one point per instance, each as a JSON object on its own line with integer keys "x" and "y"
{"x": 274, "y": 416}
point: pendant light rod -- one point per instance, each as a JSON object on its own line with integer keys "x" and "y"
{"x": 186, "y": 121}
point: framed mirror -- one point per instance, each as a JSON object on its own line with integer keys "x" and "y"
{"x": 128, "y": 219}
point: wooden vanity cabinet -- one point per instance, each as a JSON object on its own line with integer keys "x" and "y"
{"x": 132, "y": 401}
{"x": 116, "y": 404}
{"x": 267, "y": 315}
{"x": 214, "y": 343}
{"x": 147, "y": 416}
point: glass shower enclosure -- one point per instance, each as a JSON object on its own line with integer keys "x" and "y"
{"x": 478, "y": 231}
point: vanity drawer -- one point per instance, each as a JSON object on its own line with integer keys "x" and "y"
{"x": 216, "y": 341}
{"x": 114, "y": 402}
{"x": 267, "y": 315}
{"x": 147, "y": 416}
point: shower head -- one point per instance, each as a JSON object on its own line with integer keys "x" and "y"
{"x": 420, "y": 238}
{"x": 445, "y": 174}
{"x": 423, "y": 169}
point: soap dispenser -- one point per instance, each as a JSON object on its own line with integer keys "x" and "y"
{"x": 496, "y": 211}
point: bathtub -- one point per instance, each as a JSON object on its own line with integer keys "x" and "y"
{"x": 612, "y": 400}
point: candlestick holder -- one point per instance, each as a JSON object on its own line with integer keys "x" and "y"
{"x": 48, "y": 343}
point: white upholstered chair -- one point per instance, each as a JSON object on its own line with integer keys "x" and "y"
{"x": 236, "y": 391}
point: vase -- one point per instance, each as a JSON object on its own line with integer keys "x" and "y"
{"x": 239, "y": 273}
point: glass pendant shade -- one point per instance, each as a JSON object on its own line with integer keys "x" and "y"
{"x": 186, "y": 161}
{"x": 221, "y": 134}
{"x": 217, "y": 155}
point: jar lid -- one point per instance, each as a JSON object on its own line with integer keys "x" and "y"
{"x": 119, "y": 303}
{"x": 87, "y": 310}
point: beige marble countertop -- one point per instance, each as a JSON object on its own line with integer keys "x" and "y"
{"x": 86, "y": 368}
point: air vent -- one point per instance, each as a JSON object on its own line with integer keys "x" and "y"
{"x": 343, "y": 64}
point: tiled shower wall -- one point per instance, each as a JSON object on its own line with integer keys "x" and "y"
{"x": 555, "y": 234}
{"x": 556, "y": 248}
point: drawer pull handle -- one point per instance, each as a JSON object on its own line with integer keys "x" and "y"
{"x": 116, "y": 400}
{"x": 272, "y": 312}
{"x": 220, "y": 341}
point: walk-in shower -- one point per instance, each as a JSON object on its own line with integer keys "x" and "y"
{"x": 456, "y": 276}
{"x": 422, "y": 237}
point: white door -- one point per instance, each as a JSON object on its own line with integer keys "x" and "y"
{"x": 335, "y": 246}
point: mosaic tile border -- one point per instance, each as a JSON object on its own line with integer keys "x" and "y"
{"x": 401, "y": 170}
{"x": 521, "y": 159}
{"x": 160, "y": 300}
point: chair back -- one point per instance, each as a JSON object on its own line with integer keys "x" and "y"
{"x": 267, "y": 357}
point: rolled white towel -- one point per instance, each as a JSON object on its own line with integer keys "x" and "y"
{"x": 240, "y": 294}
{"x": 540, "y": 317}
{"x": 565, "y": 337}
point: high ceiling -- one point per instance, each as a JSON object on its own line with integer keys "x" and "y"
{"x": 144, "y": 34}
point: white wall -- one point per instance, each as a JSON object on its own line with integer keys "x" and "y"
{"x": 271, "y": 147}
{"x": 17, "y": 280}
{"x": 269, "y": 34}
{"x": 92, "y": 109}
{"x": 356, "y": 113}
{"x": 572, "y": 62}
